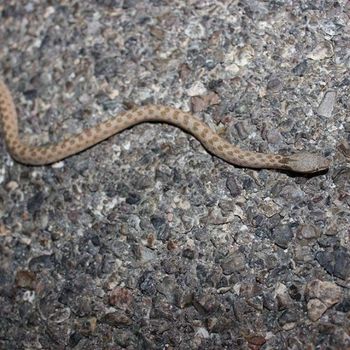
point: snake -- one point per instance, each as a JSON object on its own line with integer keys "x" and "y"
{"x": 301, "y": 162}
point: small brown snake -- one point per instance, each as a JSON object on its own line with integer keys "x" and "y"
{"x": 39, "y": 155}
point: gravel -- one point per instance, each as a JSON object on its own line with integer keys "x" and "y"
{"x": 146, "y": 241}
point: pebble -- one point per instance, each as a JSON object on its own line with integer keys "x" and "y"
{"x": 336, "y": 263}
{"x": 326, "y": 107}
{"x": 321, "y": 51}
{"x": 197, "y": 89}
{"x": 322, "y": 295}
{"x": 234, "y": 262}
{"x": 282, "y": 236}
{"x": 308, "y": 232}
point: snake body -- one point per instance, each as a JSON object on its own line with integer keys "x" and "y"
{"x": 40, "y": 155}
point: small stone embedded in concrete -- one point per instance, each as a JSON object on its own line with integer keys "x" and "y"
{"x": 326, "y": 106}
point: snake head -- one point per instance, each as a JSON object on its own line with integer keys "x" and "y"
{"x": 308, "y": 163}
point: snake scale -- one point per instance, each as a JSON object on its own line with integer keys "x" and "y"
{"x": 302, "y": 162}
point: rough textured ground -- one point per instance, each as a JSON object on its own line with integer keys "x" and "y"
{"x": 146, "y": 241}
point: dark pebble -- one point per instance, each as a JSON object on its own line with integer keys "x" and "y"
{"x": 336, "y": 263}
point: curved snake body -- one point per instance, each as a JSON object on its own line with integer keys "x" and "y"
{"x": 39, "y": 155}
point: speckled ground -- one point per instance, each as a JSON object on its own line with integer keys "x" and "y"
{"x": 146, "y": 241}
